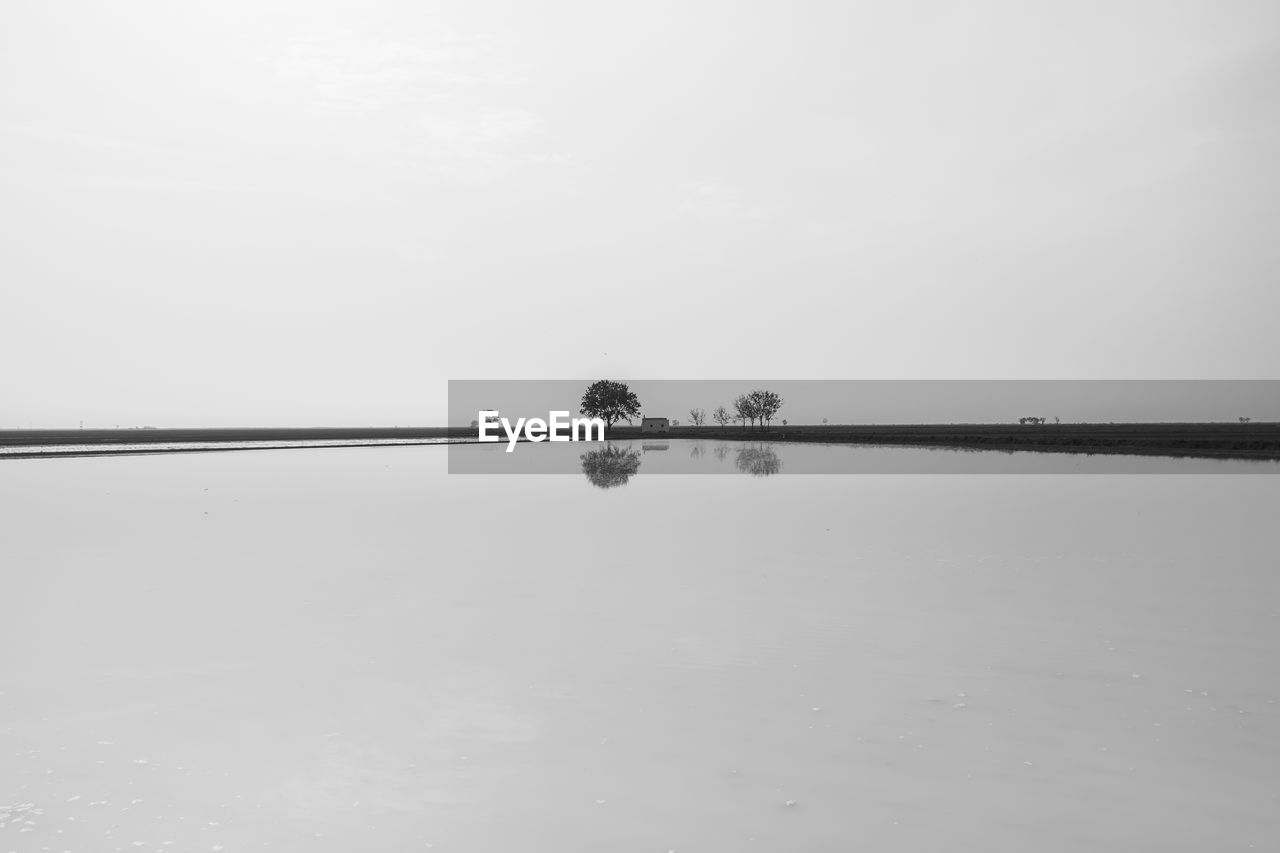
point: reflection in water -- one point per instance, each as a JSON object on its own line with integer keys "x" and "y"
{"x": 696, "y": 450}
{"x": 758, "y": 461}
{"x": 721, "y": 451}
{"x": 610, "y": 466}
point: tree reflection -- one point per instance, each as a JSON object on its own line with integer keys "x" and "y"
{"x": 610, "y": 466}
{"x": 758, "y": 461}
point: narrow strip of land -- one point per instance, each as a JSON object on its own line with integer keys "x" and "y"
{"x": 1205, "y": 440}
{"x": 47, "y": 437}
{"x": 26, "y": 444}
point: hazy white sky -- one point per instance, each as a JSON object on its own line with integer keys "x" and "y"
{"x": 308, "y": 213}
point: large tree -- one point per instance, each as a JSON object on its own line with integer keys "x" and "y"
{"x": 610, "y": 401}
{"x": 744, "y": 409}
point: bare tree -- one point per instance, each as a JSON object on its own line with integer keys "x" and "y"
{"x": 698, "y": 416}
{"x": 744, "y": 410}
{"x": 766, "y": 405}
{"x": 721, "y": 416}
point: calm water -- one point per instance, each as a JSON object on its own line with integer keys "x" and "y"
{"x": 349, "y": 649}
{"x": 615, "y": 461}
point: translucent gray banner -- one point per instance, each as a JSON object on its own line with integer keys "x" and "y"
{"x": 768, "y": 427}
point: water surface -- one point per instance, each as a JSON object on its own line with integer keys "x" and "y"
{"x": 350, "y": 649}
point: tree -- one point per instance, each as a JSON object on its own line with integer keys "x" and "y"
{"x": 744, "y": 410}
{"x": 698, "y": 416}
{"x": 766, "y": 405}
{"x": 784, "y": 421}
{"x": 610, "y": 401}
{"x": 721, "y": 416}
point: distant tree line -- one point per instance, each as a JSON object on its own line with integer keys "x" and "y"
{"x": 614, "y": 401}
{"x": 758, "y": 407}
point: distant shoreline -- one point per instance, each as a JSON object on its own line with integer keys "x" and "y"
{"x": 103, "y": 442}
{"x": 1259, "y": 441}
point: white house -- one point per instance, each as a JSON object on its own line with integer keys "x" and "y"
{"x": 655, "y": 425}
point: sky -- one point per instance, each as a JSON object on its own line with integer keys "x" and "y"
{"x": 308, "y": 213}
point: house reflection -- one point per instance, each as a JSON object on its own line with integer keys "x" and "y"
{"x": 610, "y": 466}
{"x": 758, "y": 461}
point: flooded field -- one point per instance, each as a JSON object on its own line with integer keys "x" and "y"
{"x": 350, "y": 649}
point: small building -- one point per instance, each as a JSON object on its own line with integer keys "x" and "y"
{"x": 655, "y": 425}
